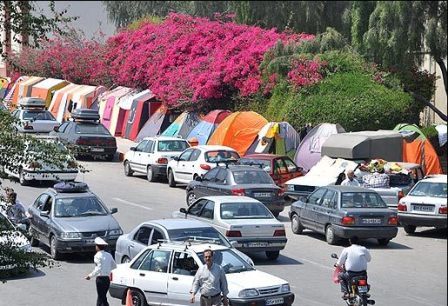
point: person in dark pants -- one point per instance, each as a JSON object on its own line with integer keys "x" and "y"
{"x": 104, "y": 264}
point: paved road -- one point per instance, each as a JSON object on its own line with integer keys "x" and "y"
{"x": 410, "y": 271}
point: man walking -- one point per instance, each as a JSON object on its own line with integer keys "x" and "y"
{"x": 104, "y": 264}
{"x": 210, "y": 280}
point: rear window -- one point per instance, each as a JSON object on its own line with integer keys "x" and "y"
{"x": 172, "y": 145}
{"x": 37, "y": 115}
{"x": 201, "y": 233}
{"x": 94, "y": 129}
{"x": 427, "y": 189}
{"x": 220, "y": 155}
{"x": 251, "y": 177}
{"x": 362, "y": 200}
{"x": 263, "y": 163}
{"x": 245, "y": 211}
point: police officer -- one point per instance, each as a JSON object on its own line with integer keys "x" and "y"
{"x": 104, "y": 264}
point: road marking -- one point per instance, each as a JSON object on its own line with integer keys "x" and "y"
{"x": 131, "y": 203}
{"x": 315, "y": 263}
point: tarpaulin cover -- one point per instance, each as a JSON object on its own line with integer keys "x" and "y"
{"x": 238, "y": 131}
{"x": 207, "y": 126}
{"x": 155, "y": 124}
{"x": 45, "y": 89}
{"x": 422, "y": 152}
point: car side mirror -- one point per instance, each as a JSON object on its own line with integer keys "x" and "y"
{"x": 334, "y": 255}
{"x": 176, "y": 158}
{"x": 56, "y": 129}
{"x": 132, "y": 148}
{"x": 45, "y": 214}
{"x": 198, "y": 178}
{"x": 183, "y": 210}
{"x": 113, "y": 210}
{"x": 233, "y": 243}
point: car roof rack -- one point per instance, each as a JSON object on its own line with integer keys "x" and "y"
{"x": 70, "y": 187}
{"x": 32, "y": 103}
{"x": 85, "y": 114}
{"x": 226, "y": 162}
{"x": 252, "y": 164}
{"x": 189, "y": 241}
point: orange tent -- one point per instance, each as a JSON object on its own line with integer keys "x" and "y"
{"x": 238, "y": 131}
{"x": 25, "y": 88}
{"x": 46, "y": 88}
{"x": 58, "y": 96}
{"x": 420, "y": 151}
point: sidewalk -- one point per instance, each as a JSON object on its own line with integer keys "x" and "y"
{"x": 124, "y": 145}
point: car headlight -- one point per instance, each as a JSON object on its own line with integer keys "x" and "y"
{"x": 71, "y": 235}
{"x": 115, "y": 232}
{"x": 285, "y": 288}
{"x": 248, "y": 293}
{"x": 290, "y": 187}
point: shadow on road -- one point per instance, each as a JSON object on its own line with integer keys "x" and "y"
{"x": 261, "y": 260}
{"x": 431, "y": 233}
{"x": 27, "y": 275}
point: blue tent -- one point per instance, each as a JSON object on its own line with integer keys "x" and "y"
{"x": 207, "y": 126}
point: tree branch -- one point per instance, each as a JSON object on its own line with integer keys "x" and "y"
{"x": 427, "y": 103}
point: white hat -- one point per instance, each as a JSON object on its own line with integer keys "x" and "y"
{"x": 100, "y": 241}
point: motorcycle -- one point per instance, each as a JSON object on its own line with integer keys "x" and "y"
{"x": 358, "y": 288}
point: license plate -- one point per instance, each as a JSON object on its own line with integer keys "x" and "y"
{"x": 274, "y": 301}
{"x": 257, "y": 244}
{"x": 371, "y": 221}
{"x": 97, "y": 149}
{"x": 262, "y": 194}
{"x": 425, "y": 208}
{"x": 362, "y": 289}
{"x": 90, "y": 241}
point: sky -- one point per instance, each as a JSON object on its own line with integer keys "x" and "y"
{"x": 92, "y": 15}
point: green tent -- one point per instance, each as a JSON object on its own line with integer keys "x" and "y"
{"x": 410, "y": 128}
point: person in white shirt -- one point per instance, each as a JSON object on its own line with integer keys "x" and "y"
{"x": 350, "y": 180}
{"x": 354, "y": 259}
{"x": 104, "y": 264}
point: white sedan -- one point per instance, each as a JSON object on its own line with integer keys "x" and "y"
{"x": 244, "y": 220}
{"x": 425, "y": 204}
{"x": 163, "y": 274}
{"x": 196, "y": 161}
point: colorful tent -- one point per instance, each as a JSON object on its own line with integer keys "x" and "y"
{"x": 60, "y": 99}
{"x": 25, "y": 88}
{"x": 276, "y": 138}
{"x": 138, "y": 112}
{"x": 238, "y": 131}
{"x": 13, "y": 92}
{"x": 66, "y": 106}
{"x": 46, "y": 88}
{"x": 183, "y": 125}
{"x": 207, "y": 126}
{"x": 309, "y": 151}
{"x": 112, "y": 113}
{"x": 419, "y": 150}
{"x": 4, "y": 85}
{"x": 158, "y": 122}
{"x": 107, "y": 103}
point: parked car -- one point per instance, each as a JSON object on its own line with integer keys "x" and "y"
{"x": 280, "y": 167}
{"x": 238, "y": 180}
{"x": 162, "y": 275}
{"x": 196, "y": 161}
{"x": 326, "y": 172}
{"x": 69, "y": 218}
{"x": 86, "y": 135}
{"x": 243, "y": 220}
{"x": 152, "y": 232}
{"x": 425, "y": 204}
{"x": 33, "y": 117}
{"x": 151, "y": 156}
{"x": 343, "y": 212}
{"x": 39, "y": 170}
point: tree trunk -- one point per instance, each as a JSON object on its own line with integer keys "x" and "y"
{"x": 428, "y": 103}
{"x": 6, "y": 44}
{"x": 442, "y": 66}
{"x": 24, "y": 7}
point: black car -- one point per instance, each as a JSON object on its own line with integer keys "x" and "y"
{"x": 238, "y": 180}
{"x": 86, "y": 136}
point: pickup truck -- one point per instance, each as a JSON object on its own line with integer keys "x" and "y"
{"x": 326, "y": 172}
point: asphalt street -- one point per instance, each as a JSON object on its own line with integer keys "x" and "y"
{"x": 412, "y": 270}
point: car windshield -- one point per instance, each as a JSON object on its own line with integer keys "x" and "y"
{"x": 5, "y": 225}
{"x": 429, "y": 189}
{"x": 79, "y": 207}
{"x": 263, "y": 163}
{"x": 220, "y": 155}
{"x": 200, "y": 233}
{"x": 172, "y": 145}
{"x": 362, "y": 200}
{"x": 91, "y": 128}
{"x": 245, "y": 211}
{"x": 37, "y": 115}
{"x": 251, "y": 177}
{"x": 229, "y": 261}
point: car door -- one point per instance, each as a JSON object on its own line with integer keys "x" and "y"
{"x": 182, "y": 171}
{"x": 191, "y": 165}
{"x": 36, "y": 219}
{"x": 135, "y": 162}
{"x": 293, "y": 169}
{"x": 43, "y": 224}
{"x": 62, "y": 132}
{"x": 156, "y": 236}
{"x": 220, "y": 185}
{"x": 147, "y": 155}
{"x": 151, "y": 276}
{"x": 309, "y": 213}
{"x": 194, "y": 211}
{"x": 180, "y": 279}
{"x": 139, "y": 241}
{"x": 281, "y": 173}
{"x": 325, "y": 210}
{"x": 206, "y": 213}
{"x": 203, "y": 188}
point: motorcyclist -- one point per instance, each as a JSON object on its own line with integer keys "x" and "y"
{"x": 354, "y": 261}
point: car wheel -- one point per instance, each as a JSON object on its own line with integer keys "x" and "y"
{"x": 272, "y": 255}
{"x": 34, "y": 242}
{"x": 330, "y": 235}
{"x": 138, "y": 299}
{"x": 171, "y": 181}
{"x": 125, "y": 259}
{"x": 383, "y": 241}
{"x": 127, "y": 169}
{"x": 191, "y": 197}
{"x": 22, "y": 179}
{"x": 296, "y": 226}
{"x": 53, "y": 249}
{"x": 150, "y": 174}
{"x": 410, "y": 229}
